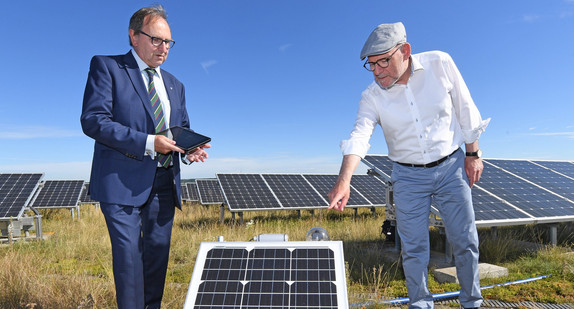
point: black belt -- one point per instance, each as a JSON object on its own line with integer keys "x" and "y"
{"x": 429, "y": 165}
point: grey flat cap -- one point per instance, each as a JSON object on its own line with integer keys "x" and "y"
{"x": 383, "y": 39}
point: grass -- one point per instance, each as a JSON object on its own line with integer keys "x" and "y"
{"x": 72, "y": 268}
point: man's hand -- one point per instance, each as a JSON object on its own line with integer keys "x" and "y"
{"x": 473, "y": 167}
{"x": 198, "y": 154}
{"x": 339, "y": 195}
{"x": 165, "y": 145}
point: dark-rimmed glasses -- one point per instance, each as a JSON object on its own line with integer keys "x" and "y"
{"x": 383, "y": 62}
{"x": 155, "y": 41}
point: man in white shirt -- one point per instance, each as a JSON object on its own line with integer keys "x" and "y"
{"x": 426, "y": 112}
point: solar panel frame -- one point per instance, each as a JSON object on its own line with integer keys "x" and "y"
{"x": 251, "y": 192}
{"x": 58, "y": 194}
{"x": 381, "y": 164}
{"x": 565, "y": 168}
{"x": 209, "y": 191}
{"x": 184, "y": 192}
{"x": 247, "y": 192}
{"x": 323, "y": 183}
{"x": 16, "y": 192}
{"x": 293, "y": 191}
{"x": 549, "y": 179}
{"x": 192, "y": 190}
{"x": 542, "y": 205}
{"x": 85, "y": 197}
{"x": 373, "y": 188}
{"x": 290, "y": 274}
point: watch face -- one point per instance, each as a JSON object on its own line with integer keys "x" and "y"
{"x": 479, "y": 153}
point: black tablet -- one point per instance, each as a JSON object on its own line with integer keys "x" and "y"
{"x": 187, "y": 139}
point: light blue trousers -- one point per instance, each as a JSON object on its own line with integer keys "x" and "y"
{"x": 414, "y": 188}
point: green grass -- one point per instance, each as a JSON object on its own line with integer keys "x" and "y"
{"x": 72, "y": 267}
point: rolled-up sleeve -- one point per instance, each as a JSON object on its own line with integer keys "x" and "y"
{"x": 468, "y": 116}
{"x": 367, "y": 119}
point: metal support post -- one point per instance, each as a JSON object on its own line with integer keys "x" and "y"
{"x": 553, "y": 234}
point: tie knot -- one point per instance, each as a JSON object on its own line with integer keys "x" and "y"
{"x": 150, "y": 72}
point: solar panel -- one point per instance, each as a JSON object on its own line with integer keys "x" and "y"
{"x": 209, "y": 191}
{"x": 184, "y": 192}
{"x": 547, "y": 178}
{"x": 541, "y": 176}
{"x": 528, "y": 197}
{"x": 58, "y": 194}
{"x": 85, "y": 195}
{"x": 192, "y": 189}
{"x": 324, "y": 183}
{"x": 371, "y": 187}
{"x": 268, "y": 275}
{"x": 488, "y": 208}
{"x": 294, "y": 191}
{"x": 564, "y": 168}
{"x": 16, "y": 191}
{"x": 247, "y": 192}
{"x": 381, "y": 164}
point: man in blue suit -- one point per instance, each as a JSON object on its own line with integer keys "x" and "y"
{"x": 137, "y": 193}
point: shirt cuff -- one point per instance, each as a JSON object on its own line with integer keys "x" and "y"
{"x": 150, "y": 146}
{"x": 358, "y": 148}
{"x": 184, "y": 159}
{"x": 471, "y": 136}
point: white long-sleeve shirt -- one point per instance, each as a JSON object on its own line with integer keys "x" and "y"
{"x": 424, "y": 120}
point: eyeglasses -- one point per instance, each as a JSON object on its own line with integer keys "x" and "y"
{"x": 155, "y": 41}
{"x": 383, "y": 62}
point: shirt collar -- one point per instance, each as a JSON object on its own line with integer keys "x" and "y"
{"x": 415, "y": 65}
{"x": 142, "y": 65}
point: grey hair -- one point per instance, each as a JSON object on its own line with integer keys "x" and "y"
{"x": 137, "y": 20}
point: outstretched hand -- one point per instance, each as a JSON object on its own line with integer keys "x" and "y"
{"x": 198, "y": 154}
{"x": 339, "y": 196}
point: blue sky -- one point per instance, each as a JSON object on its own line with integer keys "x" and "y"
{"x": 276, "y": 84}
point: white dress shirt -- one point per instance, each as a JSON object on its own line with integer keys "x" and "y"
{"x": 163, "y": 98}
{"x": 424, "y": 120}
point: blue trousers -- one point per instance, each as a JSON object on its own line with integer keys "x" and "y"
{"x": 140, "y": 237}
{"x": 414, "y": 188}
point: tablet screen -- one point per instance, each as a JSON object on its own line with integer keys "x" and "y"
{"x": 188, "y": 140}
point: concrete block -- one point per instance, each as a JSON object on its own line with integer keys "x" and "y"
{"x": 485, "y": 270}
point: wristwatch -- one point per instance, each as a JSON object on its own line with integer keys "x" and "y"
{"x": 477, "y": 154}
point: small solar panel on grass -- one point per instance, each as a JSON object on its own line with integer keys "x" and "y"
{"x": 299, "y": 274}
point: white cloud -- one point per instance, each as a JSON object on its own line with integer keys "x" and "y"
{"x": 566, "y": 134}
{"x": 27, "y": 132}
{"x": 207, "y": 64}
{"x": 284, "y": 47}
{"x": 530, "y": 18}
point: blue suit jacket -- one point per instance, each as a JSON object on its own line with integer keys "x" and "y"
{"x": 117, "y": 114}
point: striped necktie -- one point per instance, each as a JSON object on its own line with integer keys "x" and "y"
{"x": 159, "y": 119}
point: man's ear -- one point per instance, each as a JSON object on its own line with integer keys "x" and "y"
{"x": 132, "y": 35}
{"x": 406, "y": 50}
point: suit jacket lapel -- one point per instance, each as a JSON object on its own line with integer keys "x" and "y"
{"x": 134, "y": 74}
